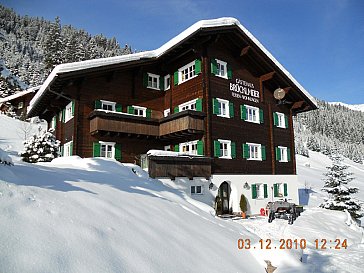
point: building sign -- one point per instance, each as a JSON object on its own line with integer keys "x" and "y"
{"x": 244, "y": 90}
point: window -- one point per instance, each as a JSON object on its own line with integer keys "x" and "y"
{"x": 167, "y": 82}
{"x": 280, "y": 120}
{"x": 224, "y": 149}
{"x": 221, "y": 69}
{"x": 108, "y": 105}
{"x": 187, "y": 72}
{"x": 254, "y": 151}
{"x": 153, "y": 81}
{"x": 54, "y": 122}
{"x": 196, "y": 189}
{"x": 68, "y": 114}
{"x": 140, "y": 111}
{"x": 67, "y": 148}
{"x": 167, "y": 147}
{"x": 223, "y": 108}
{"x": 192, "y": 147}
{"x": 20, "y": 105}
{"x": 283, "y": 154}
{"x": 107, "y": 149}
{"x": 190, "y": 105}
{"x": 259, "y": 191}
{"x": 251, "y": 114}
{"x": 280, "y": 189}
{"x": 167, "y": 112}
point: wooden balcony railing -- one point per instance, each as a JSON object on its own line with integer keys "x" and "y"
{"x": 182, "y": 124}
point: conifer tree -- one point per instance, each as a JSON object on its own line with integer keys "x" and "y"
{"x": 40, "y": 148}
{"x": 336, "y": 185}
{"x": 54, "y": 45}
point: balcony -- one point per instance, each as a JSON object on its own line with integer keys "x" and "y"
{"x": 186, "y": 124}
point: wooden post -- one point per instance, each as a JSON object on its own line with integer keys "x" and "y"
{"x": 270, "y": 114}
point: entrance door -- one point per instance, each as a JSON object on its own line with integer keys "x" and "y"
{"x": 224, "y": 194}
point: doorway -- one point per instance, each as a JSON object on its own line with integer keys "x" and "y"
{"x": 224, "y": 194}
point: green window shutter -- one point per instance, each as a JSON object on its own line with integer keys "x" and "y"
{"x": 276, "y": 191}
{"x": 216, "y": 148}
{"x": 265, "y": 191}
{"x": 73, "y": 108}
{"x": 215, "y": 106}
{"x": 288, "y": 154}
{"x": 200, "y": 147}
{"x": 176, "y": 109}
{"x": 130, "y": 110}
{"x": 175, "y": 78}
{"x": 71, "y": 148}
{"x": 199, "y": 105}
{"x": 286, "y": 121}
{"x": 233, "y": 150}
{"x": 161, "y": 83}
{"x": 118, "y": 107}
{"x": 117, "y": 148}
{"x": 213, "y": 66}
{"x": 63, "y": 115}
{"x": 176, "y": 148}
{"x": 275, "y": 119}
{"x": 285, "y": 189}
{"x": 243, "y": 112}
{"x": 261, "y": 115}
{"x": 254, "y": 191}
{"x": 229, "y": 72}
{"x": 197, "y": 66}
{"x": 148, "y": 113}
{"x": 97, "y": 104}
{"x": 231, "y": 109}
{"x": 264, "y": 155}
{"x": 145, "y": 80}
{"x": 278, "y": 154}
{"x": 96, "y": 149}
{"x": 246, "y": 151}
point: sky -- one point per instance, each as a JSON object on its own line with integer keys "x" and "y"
{"x": 320, "y": 42}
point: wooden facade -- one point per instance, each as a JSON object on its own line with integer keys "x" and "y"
{"x": 124, "y": 84}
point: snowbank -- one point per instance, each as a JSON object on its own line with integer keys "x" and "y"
{"x": 5, "y": 158}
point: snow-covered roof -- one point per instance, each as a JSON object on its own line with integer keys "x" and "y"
{"x": 203, "y": 24}
{"x": 20, "y": 94}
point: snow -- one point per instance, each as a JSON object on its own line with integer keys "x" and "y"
{"x": 355, "y": 107}
{"x": 153, "y": 54}
{"x": 6, "y": 74}
{"x": 98, "y": 215}
{"x": 5, "y": 158}
{"x": 169, "y": 153}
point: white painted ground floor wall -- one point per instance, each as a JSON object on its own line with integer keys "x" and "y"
{"x": 239, "y": 184}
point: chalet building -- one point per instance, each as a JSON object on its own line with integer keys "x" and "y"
{"x": 18, "y": 101}
{"x": 213, "y": 98}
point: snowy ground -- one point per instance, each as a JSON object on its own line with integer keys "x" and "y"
{"x": 96, "y": 215}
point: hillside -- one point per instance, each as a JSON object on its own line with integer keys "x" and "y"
{"x": 97, "y": 215}
{"x": 31, "y": 46}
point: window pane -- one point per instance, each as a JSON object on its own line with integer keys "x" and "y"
{"x": 198, "y": 189}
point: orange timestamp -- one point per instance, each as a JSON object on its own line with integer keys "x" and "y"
{"x": 320, "y": 244}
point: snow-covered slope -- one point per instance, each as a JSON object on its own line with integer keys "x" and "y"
{"x": 355, "y": 107}
{"x": 97, "y": 215}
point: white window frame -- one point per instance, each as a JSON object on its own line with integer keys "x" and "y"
{"x": 107, "y": 144}
{"x": 166, "y": 85}
{"x": 260, "y": 190}
{"x": 140, "y": 108}
{"x": 189, "y": 105}
{"x": 252, "y": 114}
{"x": 186, "y": 72}
{"x": 227, "y": 108}
{"x": 257, "y": 153}
{"x": 283, "y": 153}
{"x": 167, "y": 148}
{"x": 195, "y": 192}
{"x": 281, "y": 120}
{"x": 280, "y": 189}
{"x": 189, "y": 147}
{"x": 167, "y": 112}
{"x": 150, "y": 84}
{"x": 108, "y": 103}
{"x": 68, "y": 112}
{"x": 53, "y": 122}
{"x": 224, "y": 142}
{"x": 20, "y": 105}
{"x": 67, "y": 148}
{"x": 220, "y": 64}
